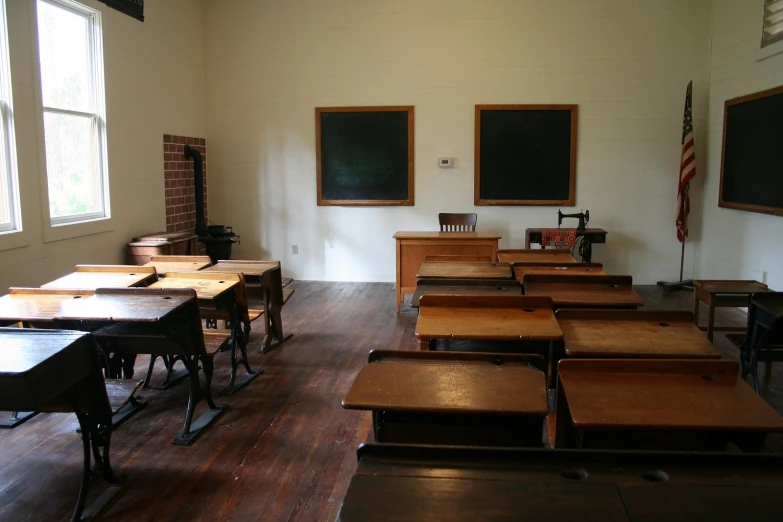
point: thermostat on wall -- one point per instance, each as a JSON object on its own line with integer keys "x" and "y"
{"x": 445, "y": 163}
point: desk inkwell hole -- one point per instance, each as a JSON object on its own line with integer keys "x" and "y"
{"x": 131, "y": 274}
{"x": 77, "y": 297}
{"x": 655, "y": 475}
{"x": 498, "y": 361}
{"x": 574, "y": 473}
{"x": 167, "y": 297}
{"x": 612, "y": 286}
{"x": 529, "y": 309}
{"x": 663, "y": 324}
{"x": 709, "y": 378}
{"x": 221, "y": 282}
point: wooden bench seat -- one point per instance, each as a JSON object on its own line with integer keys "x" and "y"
{"x": 120, "y": 392}
{"x": 216, "y": 341}
{"x": 255, "y": 313}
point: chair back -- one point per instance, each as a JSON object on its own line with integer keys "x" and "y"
{"x": 457, "y": 222}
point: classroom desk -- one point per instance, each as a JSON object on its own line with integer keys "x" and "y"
{"x": 659, "y": 404}
{"x": 486, "y": 318}
{"x": 486, "y": 287}
{"x": 590, "y": 236}
{"x": 584, "y": 291}
{"x": 32, "y": 378}
{"x": 463, "y": 270}
{"x": 720, "y": 293}
{"x": 765, "y": 325}
{"x": 217, "y": 292}
{"x": 137, "y": 312}
{"x": 585, "y": 269}
{"x": 540, "y": 256}
{"x": 412, "y": 247}
{"x": 90, "y": 277}
{"x": 267, "y": 276}
{"x": 479, "y": 399}
{"x": 164, "y": 267}
{"x": 394, "y": 483}
{"x": 634, "y": 334}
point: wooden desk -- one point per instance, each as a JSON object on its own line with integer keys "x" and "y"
{"x": 590, "y": 236}
{"x": 660, "y": 404}
{"x": 396, "y": 483}
{"x": 584, "y": 291}
{"x": 452, "y": 398}
{"x": 722, "y": 293}
{"x": 411, "y": 247}
{"x": 32, "y": 377}
{"x": 267, "y": 276}
{"x": 539, "y": 256}
{"x": 486, "y": 287}
{"x": 90, "y": 277}
{"x": 171, "y": 315}
{"x": 585, "y": 269}
{"x": 633, "y": 334}
{"x": 165, "y": 264}
{"x": 463, "y": 270}
{"x": 765, "y": 326}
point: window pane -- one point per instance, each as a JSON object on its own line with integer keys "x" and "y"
{"x": 71, "y": 154}
{"x": 64, "y": 43}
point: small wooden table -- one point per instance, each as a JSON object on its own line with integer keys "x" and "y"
{"x": 464, "y": 270}
{"x": 586, "y": 269}
{"x": 537, "y": 255}
{"x": 90, "y": 277}
{"x": 60, "y": 371}
{"x": 765, "y": 324}
{"x": 165, "y": 264}
{"x": 396, "y": 483}
{"x": 589, "y": 235}
{"x": 634, "y": 334}
{"x": 722, "y": 293}
{"x": 452, "y": 398}
{"x": 267, "y": 276}
{"x": 659, "y": 404}
{"x": 487, "y": 287}
{"x": 584, "y": 291}
{"x": 412, "y": 247}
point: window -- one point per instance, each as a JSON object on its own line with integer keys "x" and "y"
{"x": 71, "y": 58}
{"x": 10, "y": 220}
{"x": 773, "y": 22}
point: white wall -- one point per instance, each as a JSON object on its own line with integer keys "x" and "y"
{"x": 626, "y": 63}
{"x": 155, "y": 84}
{"x": 737, "y": 244}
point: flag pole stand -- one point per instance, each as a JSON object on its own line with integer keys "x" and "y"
{"x": 686, "y": 284}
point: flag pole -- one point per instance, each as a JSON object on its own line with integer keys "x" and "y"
{"x": 682, "y": 258}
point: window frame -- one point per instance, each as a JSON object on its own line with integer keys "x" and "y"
{"x": 7, "y": 131}
{"x": 769, "y": 49}
{"x": 98, "y": 99}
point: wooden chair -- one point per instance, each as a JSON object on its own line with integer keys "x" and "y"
{"x": 457, "y": 222}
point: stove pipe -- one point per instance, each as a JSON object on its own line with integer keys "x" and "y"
{"x": 198, "y": 181}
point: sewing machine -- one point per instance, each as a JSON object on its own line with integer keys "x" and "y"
{"x": 584, "y": 217}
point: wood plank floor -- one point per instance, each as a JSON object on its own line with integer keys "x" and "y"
{"x": 283, "y": 450}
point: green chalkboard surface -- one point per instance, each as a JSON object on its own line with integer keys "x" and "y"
{"x": 364, "y": 155}
{"x": 752, "y": 165}
{"x": 525, "y": 155}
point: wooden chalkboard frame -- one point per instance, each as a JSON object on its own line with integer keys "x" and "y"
{"x": 748, "y": 207}
{"x": 364, "y": 202}
{"x": 570, "y": 202}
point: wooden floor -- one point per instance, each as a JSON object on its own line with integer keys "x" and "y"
{"x": 284, "y": 449}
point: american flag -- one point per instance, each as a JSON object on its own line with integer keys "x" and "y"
{"x": 687, "y": 168}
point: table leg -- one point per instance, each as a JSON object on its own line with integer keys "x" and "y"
{"x": 17, "y": 418}
{"x": 192, "y": 429}
{"x": 424, "y": 344}
{"x": 696, "y": 307}
{"x": 238, "y": 343}
{"x": 711, "y": 319}
{"x": 588, "y": 250}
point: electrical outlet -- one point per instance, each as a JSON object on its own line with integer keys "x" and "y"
{"x": 294, "y": 249}
{"x": 764, "y": 277}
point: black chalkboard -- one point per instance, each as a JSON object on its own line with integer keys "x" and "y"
{"x": 525, "y": 155}
{"x": 752, "y": 165}
{"x": 364, "y": 155}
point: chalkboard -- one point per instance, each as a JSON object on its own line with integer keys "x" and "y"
{"x": 525, "y": 155}
{"x": 751, "y": 176}
{"x": 364, "y": 155}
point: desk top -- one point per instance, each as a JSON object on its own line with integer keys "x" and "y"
{"x": 584, "y": 291}
{"x": 464, "y": 270}
{"x": 90, "y": 277}
{"x": 487, "y": 318}
{"x": 522, "y": 269}
{"x": 163, "y": 267}
{"x": 206, "y": 289}
{"x": 488, "y": 287}
{"x": 661, "y": 394}
{"x": 444, "y": 383}
{"x": 730, "y": 287}
{"x": 447, "y": 235}
{"x": 633, "y": 333}
{"x": 32, "y": 363}
{"x": 247, "y": 268}
{"x": 536, "y": 255}
{"x": 395, "y": 482}
{"x": 126, "y": 305}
